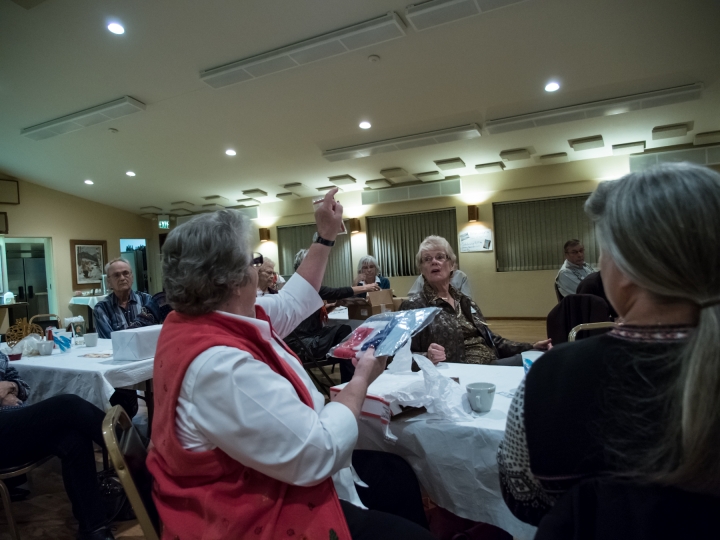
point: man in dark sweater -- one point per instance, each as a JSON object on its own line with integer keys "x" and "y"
{"x": 317, "y": 337}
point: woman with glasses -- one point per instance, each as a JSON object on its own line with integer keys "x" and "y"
{"x": 244, "y": 445}
{"x": 369, "y": 273}
{"x": 459, "y": 332}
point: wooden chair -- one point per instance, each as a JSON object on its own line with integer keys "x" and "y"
{"x": 128, "y": 456}
{"x": 12, "y": 472}
{"x": 46, "y": 319}
{"x": 588, "y": 326}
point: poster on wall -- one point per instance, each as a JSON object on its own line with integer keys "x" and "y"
{"x": 476, "y": 238}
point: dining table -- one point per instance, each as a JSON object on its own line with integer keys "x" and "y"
{"x": 455, "y": 461}
{"x": 89, "y": 372}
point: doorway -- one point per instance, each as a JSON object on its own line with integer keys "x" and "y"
{"x": 29, "y": 273}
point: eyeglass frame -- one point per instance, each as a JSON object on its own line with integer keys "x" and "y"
{"x": 425, "y": 259}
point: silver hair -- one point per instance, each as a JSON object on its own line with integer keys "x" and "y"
{"x": 435, "y": 243}
{"x": 299, "y": 258}
{"x": 118, "y": 259}
{"x": 205, "y": 260}
{"x": 661, "y": 229}
{"x": 368, "y": 259}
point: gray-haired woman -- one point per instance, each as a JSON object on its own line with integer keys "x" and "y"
{"x": 641, "y": 402}
{"x": 459, "y": 332}
{"x": 243, "y": 443}
{"x": 369, "y": 272}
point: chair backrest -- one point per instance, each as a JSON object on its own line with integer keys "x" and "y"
{"x": 588, "y": 326}
{"x": 128, "y": 456}
{"x": 573, "y": 310}
{"x": 46, "y": 319}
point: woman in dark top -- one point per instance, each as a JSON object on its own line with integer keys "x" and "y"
{"x": 641, "y": 403}
{"x": 65, "y": 426}
{"x": 318, "y": 337}
{"x": 459, "y": 332}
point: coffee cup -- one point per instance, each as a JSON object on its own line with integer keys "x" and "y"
{"x": 45, "y": 348}
{"x": 481, "y": 395}
{"x": 529, "y": 358}
{"x": 91, "y": 339}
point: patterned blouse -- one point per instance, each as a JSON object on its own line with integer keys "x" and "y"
{"x": 529, "y": 494}
{"x": 462, "y": 330}
{"x": 10, "y": 374}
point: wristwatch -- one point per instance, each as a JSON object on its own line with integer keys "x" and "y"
{"x": 317, "y": 239}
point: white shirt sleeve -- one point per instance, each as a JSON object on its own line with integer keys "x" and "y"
{"x": 256, "y": 417}
{"x": 292, "y": 305}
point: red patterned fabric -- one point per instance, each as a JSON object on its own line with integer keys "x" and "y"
{"x": 208, "y": 495}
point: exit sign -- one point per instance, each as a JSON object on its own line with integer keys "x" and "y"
{"x": 163, "y": 222}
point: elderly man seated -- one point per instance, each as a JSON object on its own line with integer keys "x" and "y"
{"x": 123, "y": 306}
{"x": 121, "y": 309}
{"x": 574, "y": 269}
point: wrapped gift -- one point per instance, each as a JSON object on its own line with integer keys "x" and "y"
{"x": 135, "y": 343}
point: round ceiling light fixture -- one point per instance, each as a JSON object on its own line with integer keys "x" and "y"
{"x": 130, "y": 173}
{"x": 89, "y": 182}
{"x": 116, "y": 28}
{"x": 230, "y": 152}
{"x": 365, "y": 125}
{"x": 552, "y": 86}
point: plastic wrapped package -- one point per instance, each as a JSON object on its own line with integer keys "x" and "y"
{"x": 387, "y": 332}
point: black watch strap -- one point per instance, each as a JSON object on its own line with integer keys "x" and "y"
{"x": 317, "y": 239}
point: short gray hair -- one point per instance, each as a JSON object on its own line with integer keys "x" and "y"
{"x": 118, "y": 259}
{"x": 205, "y": 260}
{"x": 368, "y": 259}
{"x": 299, "y": 258}
{"x": 435, "y": 243}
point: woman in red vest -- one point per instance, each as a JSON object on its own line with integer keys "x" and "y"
{"x": 243, "y": 444}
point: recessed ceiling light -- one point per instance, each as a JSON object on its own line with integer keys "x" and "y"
{"x": 130, "y": 173}
{"x": 89, "y": 182}
{"x": 552, "y": 86}
{"x": 230, "y": 152}
{"x": 365, "y": 125}
{"x": 116, "y": 28}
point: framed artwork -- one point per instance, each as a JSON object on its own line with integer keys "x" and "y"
{"x": 88, "y": 259}
{"x": 78, "y": 329}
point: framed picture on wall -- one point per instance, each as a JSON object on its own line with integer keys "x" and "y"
{"x": 88, "y": 259}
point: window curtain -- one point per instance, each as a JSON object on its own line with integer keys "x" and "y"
{"x": 291, "y": 239}
{"x": 529, "y": 235}
{"x": 394, "y": 240}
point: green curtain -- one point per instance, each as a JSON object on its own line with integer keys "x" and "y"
{"x": 529, "y": 235}
{"x": 291, "y": 239}
{"x": 394, "y": 240}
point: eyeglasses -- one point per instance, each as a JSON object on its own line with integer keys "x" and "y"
{"x": 441, "y": 257}
{"x": 124, "y": 273}
{"x": 257, "y": 259}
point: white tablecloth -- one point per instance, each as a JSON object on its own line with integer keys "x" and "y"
{"x": 89, "y": 301}
{"x": 456, "y": 462}
{"x": 93, "y": 379}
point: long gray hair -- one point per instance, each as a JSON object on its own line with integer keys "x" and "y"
{"x": 661, "y": 227}
{"x": 205, "y": 259}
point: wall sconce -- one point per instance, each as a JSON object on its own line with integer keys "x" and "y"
{"x": 354, "y": 225}
{"x": 264, "y": 234}
{"x": 472, "y": 213}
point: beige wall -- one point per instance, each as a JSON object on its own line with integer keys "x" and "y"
{"x": 499, "y": 294}
{"x": 44, "y": 213}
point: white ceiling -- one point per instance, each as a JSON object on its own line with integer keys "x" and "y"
{"x": 58, "y": 58}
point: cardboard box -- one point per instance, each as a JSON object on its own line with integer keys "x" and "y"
{"x": 397, "y": 301}
{"x": 375, "y": 302}
{"x": 135, "y": 343}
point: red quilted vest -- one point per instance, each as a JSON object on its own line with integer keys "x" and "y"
{"x": 208, "y": 495}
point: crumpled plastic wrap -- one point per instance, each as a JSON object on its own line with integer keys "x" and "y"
{"x": 27, "y": 346}
{"x": 448, "y": 400}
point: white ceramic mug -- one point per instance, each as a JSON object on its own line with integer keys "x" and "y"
{"x": 45, "y": 348}
{"x": 529, "y": 358}
{"x": 91, "y": 339}
{"x": 481, "y": 395}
